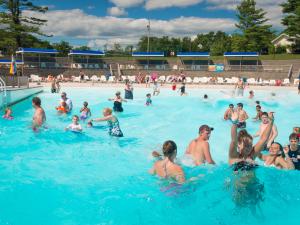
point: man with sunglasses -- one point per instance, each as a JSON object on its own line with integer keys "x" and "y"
{"x": 66, "y": 100}
{"x": 293, "y": 150}
{"x": 198, "y": 149}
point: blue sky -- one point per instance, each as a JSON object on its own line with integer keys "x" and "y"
{"x": 104, "y": 22}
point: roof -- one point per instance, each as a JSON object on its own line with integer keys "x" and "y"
{"x": 241, "y": 54}
{"x": 37, "y": 50}
{"x": 193, "y": 54}
{"x": 86, "y": 52}
{"x": 153, "y": 54}
{"x": 7, "y": 61}
{"x": 281, "y": 36}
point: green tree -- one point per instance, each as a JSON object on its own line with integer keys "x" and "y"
{"x": 292, "y": 21}
{"x": 63, "y": 47}
{"x": 83, "y": 48}
{"x": 18, "y": 26}
{"x": 252, "y": 23}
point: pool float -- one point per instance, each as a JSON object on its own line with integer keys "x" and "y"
{"x": 7, "y": 117}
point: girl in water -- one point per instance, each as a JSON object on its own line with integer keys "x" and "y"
{"x": 112, "y": 122}
{"x": 166, "y": 167}
{"x": 128, "y": 90}
{"x": 74, "y": 126}
{"x": 117, "y": 102}
{"x": 8, "y": 114}
{"x": 85, "y": 111}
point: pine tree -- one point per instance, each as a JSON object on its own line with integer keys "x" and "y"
{"x": 257, "y": 35}
{"x": 19, "y": 27}
{"x": 292, "y": 19}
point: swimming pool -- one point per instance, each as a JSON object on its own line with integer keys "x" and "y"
{"x": 58, "y": 177}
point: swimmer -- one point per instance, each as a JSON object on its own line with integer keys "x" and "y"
{"x": 156, "y": 90}
{"x": 8, "y": 114}
{"x": 63, "y": 108}
{"x": 117, "y": 102}
{"x": 293, "y": 150}
{"x": 85, "y": 111}
{"x": 258, "y": 113}
{"x": 39, "y": 117}
{"x": 263, "y": 126}
{"x": 112, "y": 122}
{"x": 240, "y": 86}
{"x": 296, "y": 130}
{"x": 148, "y": 99}
{"x": 228, "y": 113}
{"x": 199, "y": 149}
{"x": 251, "y": 94}
{"x": 166, "y": 168}
{"x": 182, "y": 90}
{"x": 242, "y": 152}
{"x": 243, "y": 116}
{"x": 173, "y": 86}
{"x": 74, "y": 126}
{"x": 66, "y": 100}
{"x": 275, "y": 157}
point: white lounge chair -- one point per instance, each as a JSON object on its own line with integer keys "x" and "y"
{"x": 196, "y": 80}
{"x": 76, "y": 79}
{"x": 220, "y": 80}
{"x": 251, "y": 81}
{"x": 35, "y": 78}
{"x": 162, "y": 78}
{"x": 286, "y": 81}
{"x": 272, "y": 82}
{"x": 111, "y": 79}
{"x": 103, "y": 78}
{"x": 296, "y": 81}
{"x": 94, "y": 78}
{"x": 86, "y": 78}
{"x": 188, "y": 80}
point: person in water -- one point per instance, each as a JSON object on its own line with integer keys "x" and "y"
{"x": 53, "y": 86}
{"x": 156, "y": 90}
{"x": 148, "y": 99}
{"x": 7, "y": 114}
{"x": 243, "y": 116}
{"x": 251, "y": 94}
{"x": 258, "y": 113}
{"x": 297, "y": 131}
{"x": 182, "y": 89}
{"x": 85, "y": 111}
{"x": 240, "y": 86}
{"x": 65, "y": 99}
{"x": 166, "y": 168}
{"x": 117, "y": 102}
{"x": 263, "y": 126}
{"x": 63, "y": 108}
{"x": 39, "y": 116}
{"x": 74, "y": 126}
{"x": 242, "y": 152}
{"x": 276, "y": 157}
{"x": 228, "y": 113}
{"x": 128, "y": 90}
{"x": 293, "y": 150}
{"x": 199, "y": 149}
{"x": 112, "y": 122}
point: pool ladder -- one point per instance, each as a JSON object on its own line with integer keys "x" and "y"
{"x": 3, "y": 89}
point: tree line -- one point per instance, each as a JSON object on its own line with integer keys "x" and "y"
{"x": 253, "y": 32}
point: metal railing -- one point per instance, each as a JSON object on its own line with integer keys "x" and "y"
{"x": 3, "y": 89}
{"x": 15, "y": 81}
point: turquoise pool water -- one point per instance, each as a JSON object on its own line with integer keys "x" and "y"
{"x": 58, "y": 177}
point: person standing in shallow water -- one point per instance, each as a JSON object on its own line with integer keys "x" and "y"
{"x": 128, "y": 90}
{"x": 39, "y": 116}
{"x": 117, "y": 102}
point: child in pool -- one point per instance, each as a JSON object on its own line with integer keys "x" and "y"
{"x": 112, "y": 122}
{"x": 85, "y": 111}
{"x": 63, "y": 108}
{"x": 297, "y": 131}
{"x": 8, "y": 114}
{"x": 148, "y": 100}
{"x": 173, "y": 86}
{"x": 74, "y": 126}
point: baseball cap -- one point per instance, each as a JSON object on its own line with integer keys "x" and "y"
{"x": 205, "y": 127}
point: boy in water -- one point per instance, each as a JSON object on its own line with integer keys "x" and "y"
{"x": 74, "y": 126}
{"x": 148, "y": 99}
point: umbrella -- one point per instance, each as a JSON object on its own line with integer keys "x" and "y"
{"x": 13, "y": 66}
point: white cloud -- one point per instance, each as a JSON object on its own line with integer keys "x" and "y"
{"x": 127, "y": 3}
{"x": 91, "y": 7}
{"x": 272, "y": 8}
{"x": 116, "y": 11}
{"x": 75, "y": 24}
{"x": 159, "y": 4}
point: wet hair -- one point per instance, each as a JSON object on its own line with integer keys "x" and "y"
{"x": 169, "y": 147}
{"x": 294, "y": 136}
{"x": 245, "y": 138}
{"x": 85, "y": 103}
{"x": 258, "y": 106}
{"x": 37, "y": 101}
{"x": 75, "y": 116}
{"x": 118, "y": 93}
{"x": 281, "y": 153}
{"x": 148, "y": 95}
{"x": 240, "y": 104}
{"x": 264, "y": 114}
{"x": 205, "y": 96}
{"x": 108, "y": 110}
{"x": 231, "y": 105}
{"x": 251, "y": 92}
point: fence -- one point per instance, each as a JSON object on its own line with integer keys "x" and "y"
{"x": 15, "y": 81}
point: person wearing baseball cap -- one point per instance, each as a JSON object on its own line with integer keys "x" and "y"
{"x": 198, "y": 148}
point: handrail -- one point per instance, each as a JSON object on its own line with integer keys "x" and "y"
{"x": 3, "y": 87}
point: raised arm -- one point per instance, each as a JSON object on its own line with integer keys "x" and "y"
{"x": 265, "y": 136}
{"x": 233, "y": 144}
{"x": 273, "y": 136}
{"x": 106, "y": 118}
